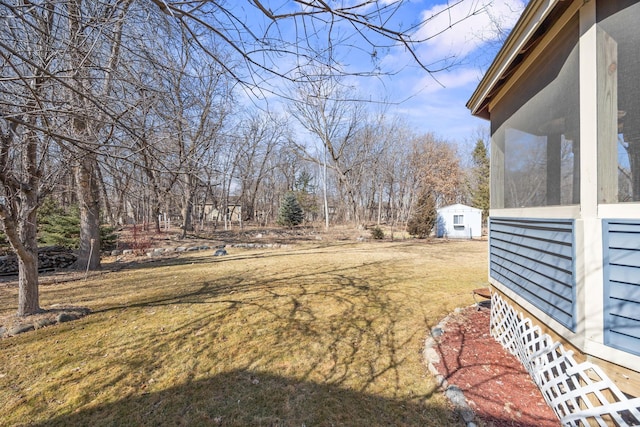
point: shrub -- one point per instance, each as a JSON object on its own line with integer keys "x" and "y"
{"x": 108, "y": 238}
{"x": 377, "y": 233}
{"x": 424, "y": 217}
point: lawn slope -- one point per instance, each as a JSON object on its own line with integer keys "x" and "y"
{"x": 304, "y": 335}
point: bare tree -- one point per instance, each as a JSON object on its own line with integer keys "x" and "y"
{"x": 92, "y": 36}
{"x": 26, "y": 93}
{"x": 325, "y": 108}
{"x": 436, "y": 167}
{"x": 65, "y": 81}
{"x": 280, "y": 40}
{"x": 260, "y": 136}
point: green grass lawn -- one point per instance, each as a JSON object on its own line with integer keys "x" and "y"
{"x": 305, "y": 335}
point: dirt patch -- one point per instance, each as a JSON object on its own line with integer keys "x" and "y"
{"x": 495, "y": 384}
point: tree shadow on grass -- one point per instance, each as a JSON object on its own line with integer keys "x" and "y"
{"x": 247, "y": 398}
{"x": 312, "y": 345}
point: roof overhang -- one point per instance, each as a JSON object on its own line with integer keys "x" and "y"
{"x": 534, "y": 21}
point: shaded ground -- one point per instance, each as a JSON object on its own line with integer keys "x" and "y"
{"x": 494, "y": 382}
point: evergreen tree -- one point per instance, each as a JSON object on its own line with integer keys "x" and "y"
{"x": 290, "y": 213}
{"x": 480, "y": 181}
{"x": 58, "y": 226}
{"x": 304, "y": 190}
{"x": 424, "y": 217}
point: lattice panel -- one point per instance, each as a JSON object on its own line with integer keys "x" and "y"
{"x": 581, "y": 394}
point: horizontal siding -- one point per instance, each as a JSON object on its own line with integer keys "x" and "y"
{"x": 621, "y": 251}
{"x": 535, "y": 259}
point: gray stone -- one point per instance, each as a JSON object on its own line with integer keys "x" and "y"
{"x": 19, "y": 329}
{"x": 66, "y": 317}
{"x": 193, "y": 248}
{"x": 431, "y": 355}
{"x": 127, "y": 252}
{"x": 116, "y": 252}
{"x": 455, "y": 395}
{"x": 220, "y": 252}
{"x": 41, "y": 323}
{"x": 181, "y": 249}
{"x": 436, "y": 332}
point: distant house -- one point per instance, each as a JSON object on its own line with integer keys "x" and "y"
{"x": 563, "y": 99}
{"x": 459, "y": 222}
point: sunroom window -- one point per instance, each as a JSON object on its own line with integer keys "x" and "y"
{"x": 618, "y": 101}
{"x": 535, "y": 130}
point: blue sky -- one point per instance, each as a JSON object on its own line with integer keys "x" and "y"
{"x": 460, "y": 37}
{"x": 436, "y": 103}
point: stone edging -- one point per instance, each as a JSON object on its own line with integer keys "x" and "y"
{"x": 154, "y": 252}
{"x": 44, "y": 319}
{"x": 452, "y": 392}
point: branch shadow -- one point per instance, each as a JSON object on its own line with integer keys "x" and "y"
{"x": 359, "y": 339}
{"x": 494, "y": 382}
{"x": 249, "y": 398}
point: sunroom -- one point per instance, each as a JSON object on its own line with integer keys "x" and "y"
{"x": 563, "y": 100}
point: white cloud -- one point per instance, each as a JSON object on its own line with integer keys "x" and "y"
{"x": 456, "y": 78}
{"x": 457, "y": 29}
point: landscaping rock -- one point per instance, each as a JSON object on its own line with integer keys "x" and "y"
{"x": 41, "y": 323}
{"x": 66, "y": 317}
{"x": 436, "y": 332}
{"x": 455, "y": 395}
{"x": 19, "y": 329}
{"x": 220, "y": 252}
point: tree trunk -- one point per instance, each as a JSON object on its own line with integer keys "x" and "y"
{"x": 187, "y": 213}
{"x": 89, "y": 198}
{"x": 28, "y": 294}
{"x": 22, "y": 236}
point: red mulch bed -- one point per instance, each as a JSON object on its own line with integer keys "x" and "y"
{"x": 495, "y": 384}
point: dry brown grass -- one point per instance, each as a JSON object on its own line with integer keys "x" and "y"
{"x": 309, "y": 335}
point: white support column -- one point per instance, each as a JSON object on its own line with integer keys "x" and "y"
{"x": 589, "y": 273}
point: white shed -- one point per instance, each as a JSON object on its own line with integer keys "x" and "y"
{"x": 459, "y": 222}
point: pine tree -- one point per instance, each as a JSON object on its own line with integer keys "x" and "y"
{"x": 424, "y": 217}
{"x": 290, "y": 213}
{"x": 480, "y": 181}
{"x": 304, "y": 190}
{"x": 58, "y": 226}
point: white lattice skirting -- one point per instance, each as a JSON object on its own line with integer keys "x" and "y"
{"x": 581, "y": 394}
